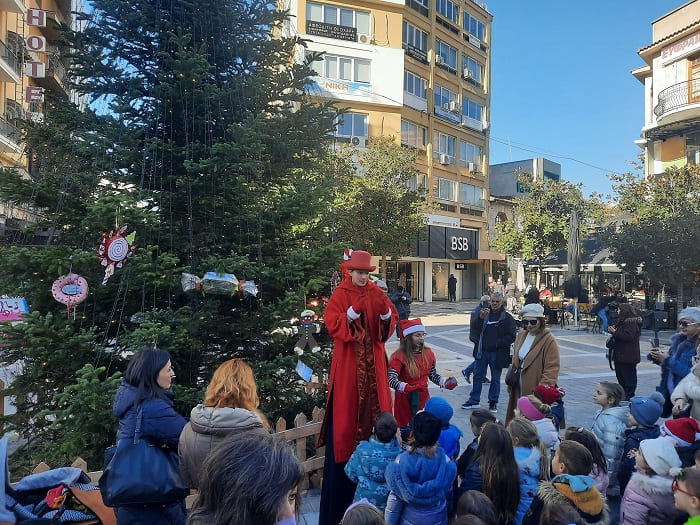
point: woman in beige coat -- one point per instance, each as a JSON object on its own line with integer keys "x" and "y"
{"x": 537, "y": 349}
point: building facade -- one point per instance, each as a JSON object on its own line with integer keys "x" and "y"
{"x": 671, "y": 78}
{"x": 30, "y": 65}
{"x": 418, "y": 70}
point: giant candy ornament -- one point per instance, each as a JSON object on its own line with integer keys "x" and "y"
{"x": 71, "y": 290}
{"x": 114, "y": 249}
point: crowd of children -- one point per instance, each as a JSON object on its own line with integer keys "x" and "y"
{"x": 414, "y": 469}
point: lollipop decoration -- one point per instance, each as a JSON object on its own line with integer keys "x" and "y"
{"x": 71, "y": 290}
{"x": 114, "y": 250}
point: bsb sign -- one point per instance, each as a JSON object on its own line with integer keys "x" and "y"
{"x": 450, "y": 243}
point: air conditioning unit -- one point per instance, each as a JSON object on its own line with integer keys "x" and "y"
{"x": 358, "y": 142}
{"x": 364, "y": 38}
{"x": 444, "y": 159}
{"x": 485, "y": 126}
{"x": 467, "y": 73}
{"x": 438, "y": 60}
{"x": 453, "y": 106}
{"x": 474, "y": 167}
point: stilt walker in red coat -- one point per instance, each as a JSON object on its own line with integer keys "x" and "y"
{"x": 360, "y": 318}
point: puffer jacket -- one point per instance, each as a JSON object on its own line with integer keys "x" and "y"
{"x": 419, "y": 486}
{"x": 678, "y": 363}
{"x": 528, "y": 460}
{"x": 547, "y": 433}
{"x": 609, "y": 427}
{"x": 207, "y": 428}
{"x": 367, "y": 466}
{"x": 161, "y": 425}
{"x": 578, "y": 491}
{"x": 601, "y": 480}
{"x": 633, "y": 437}
{"x": 689, "y": 390}
{"x": 648, "y": 500}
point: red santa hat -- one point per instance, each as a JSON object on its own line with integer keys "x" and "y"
{"x": 547, "y": 393}
{"x": 410, "y": 326}
{"x": 684, "y": 430}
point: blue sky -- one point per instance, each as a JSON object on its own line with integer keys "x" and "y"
{"x": 561, "y": 82}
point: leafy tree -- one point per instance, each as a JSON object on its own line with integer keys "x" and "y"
{"x": 378, "y": 205}
{"x": 540, "y": 224}
{"x": 660, "y": 230}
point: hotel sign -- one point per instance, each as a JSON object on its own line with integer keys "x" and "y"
{"x": 680, "y": 49}
{"x": 331, "y": 31}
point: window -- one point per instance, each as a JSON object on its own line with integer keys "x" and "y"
{"x": 413, "y": 135}
{"x": 448, "y": 54}
{"x": 468, "y": 152}
{"x": 471, "y": 109}
{"x": 447, "y": 190}
{"x": 473, "y": 26}
{"x": 339, "y": 16}
{"x": 443, "y": 96}
{"x": 343, "y": 68}
{"x": 416, "y": 184}
{"x": 692, "y": 148}
{"x": 476, "y": 70}
{"x": 444, "y": 144}
{"x": 13, "y": 110}
{"x": 413, "y": 36}
{"x": 414, "y": 85}
{"x": 447, "y": 9}
{"x": 351, "y": 124}
{"x": 470, "y": 195}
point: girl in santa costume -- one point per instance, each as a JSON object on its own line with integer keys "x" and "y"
{"x": 410, "y": 367}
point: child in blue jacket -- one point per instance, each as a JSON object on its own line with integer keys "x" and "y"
{"x": 450, "y": 434}
{"x": 368, "y": 463}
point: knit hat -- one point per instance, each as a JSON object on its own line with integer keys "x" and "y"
{"x": 410, "y": 326}
{"x": 359, "y": 260}
{"x": 529, "y": 410}
{"x": 683, "y": 430}
{"x": 660, "y": 455}
{"x": 439, "y": 408}
{"x": 548, "y": 394}
{"x": 646, "y": 410}
{"x": 426, "y": 429}
{"x": 532, "y": 311}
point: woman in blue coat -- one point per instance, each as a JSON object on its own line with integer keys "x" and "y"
{"x": 147, "y": 383}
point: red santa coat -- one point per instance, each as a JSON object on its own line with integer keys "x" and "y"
{"x": 359, "y": 380}
{"x": 402, "y": 403}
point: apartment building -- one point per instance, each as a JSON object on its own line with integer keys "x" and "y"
{"x": 671, "y": 78}
{"x": 418, "y": 70}
{"x": 30, "y": 65}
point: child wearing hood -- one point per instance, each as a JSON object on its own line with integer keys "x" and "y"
{"x": 609, "y": 425}
{"x": 368, "y": 463}
{"x": 570, "y": 486}
{"x": 450, "y": 434}
{"x": 530, "y": 407}
{"x": 648, "y": 498}
{"x": 642, "y": 417}
{"x": 420, "y": 478}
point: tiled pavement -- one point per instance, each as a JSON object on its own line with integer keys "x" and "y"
{"x": 583, "y": 364}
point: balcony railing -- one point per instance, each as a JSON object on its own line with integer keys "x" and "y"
{"x": 10, "y": 131}
{"x": 8, "y": 56}
{"x": 677, "y": 96}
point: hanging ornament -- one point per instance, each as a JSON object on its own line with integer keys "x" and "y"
{"x": 114, "y": 249}
{"x": 335, "y": 280}
{"x": 306, "y": 330}
{"x": 71, "y": 290}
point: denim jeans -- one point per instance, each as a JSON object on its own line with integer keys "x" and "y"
{"x": 603, "y": 314}
{"x": 487, "y": 359}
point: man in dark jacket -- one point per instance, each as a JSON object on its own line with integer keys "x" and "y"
{"x": 402, "y": 300}
{"x": 476, "y": 323}
{"x": 497, "y": 334}
{"x": 452, "y": 288}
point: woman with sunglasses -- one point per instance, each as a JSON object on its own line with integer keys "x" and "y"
{"x": 677, "y": 361}
{"x": 535, "y": 353}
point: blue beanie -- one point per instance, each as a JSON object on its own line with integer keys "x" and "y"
{"x": 440, "y": 409}
{"x": 646, "y": 410}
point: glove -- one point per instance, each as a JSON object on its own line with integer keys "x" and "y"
{"x": 411, "y": 388}
{"x": 353, "y": 314}
{"x": 450, "y": 383}
{"x": 386, "y": 316}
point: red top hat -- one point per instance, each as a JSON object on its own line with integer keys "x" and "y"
{"x": 360, "y": 260}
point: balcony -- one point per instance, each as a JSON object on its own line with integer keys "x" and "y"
{"x": 10, "y": 66}
{"x": 679, "y": 99}
{"x": 418, "y": 6}
{"x": 55, "y": 79}
{"x": 10, "y": 137}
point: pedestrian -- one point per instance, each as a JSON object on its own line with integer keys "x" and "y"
{"x": 146, "y": 388}
{"x": 684, "y": 433}
{"x": 362, "y": 512}
{"x": 402, "y": 302}
{"x": 677, "y": 361}
{"x": 609, "y": 425}
{"x": 360, "y": 318}
{"x": 452, "y": 288}
{"x": 497, "y": 334}
{"x": 369, "y": 461}
{"x": 531, "y": 408}
{"x": 476, "y": 322}
{"x": 410, "y": 368}
{"x": 648, "y": 498}
{"x": 535, "y": 355}
{"x": 477, "y": 419}
{"x": 420, "y": 479}
{"x": 641, "y": 421}
{"x": 476, "y": 503}
{"x": 599, "y": 472}
{"x": 625, "y": 351}
{"x": 450, "y": 434}
{"x": 532, "y": 457}
{"x": 249, "y": 478}
{"x": 601, "y": 309}
{"x": 686, "y": 396}
{"x": 494, "y": 472}
{"x": 230, "y": 408}
{"x": 686, "y": 493}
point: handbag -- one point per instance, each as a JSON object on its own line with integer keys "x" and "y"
{"x": 141, "y": 473}
{"x": 513, "y": 376}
